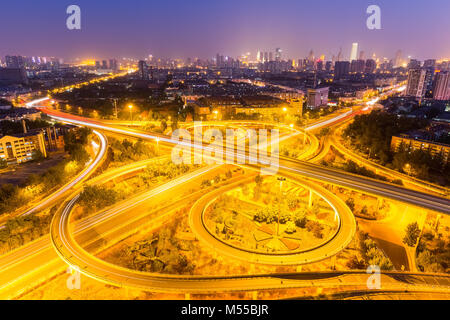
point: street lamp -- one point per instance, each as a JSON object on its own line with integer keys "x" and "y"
{"x": 281, "y": 179}
{"x": 131, "y": 110}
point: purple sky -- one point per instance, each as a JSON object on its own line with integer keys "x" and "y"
{"x": 202, "y": 28}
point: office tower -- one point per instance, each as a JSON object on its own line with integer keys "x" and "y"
{"x": 97, "y": 64}
{"x": 441, "y": 89}
{"x": 416, "y": 85}
{"x": 354, "y": 53}
{"x": 278, "y": 52}
{"x": 311, "y": 56}
{"x": 371, "y": 65}
{"x": 104, "y": 64}
{"x": 328, "y": 65}
{"x": 398, "y": 59}
{"x": 143, "y": 70}
{"x": 430, "y": 63}
{"x": 14, "y": 61}
{"x": 429, "y": 77}
{"x": 362, "y": 55}
{"x": 414, "y": 64}
{"x": 319, "y": 65}
{"x": 270, "y": 56}
{"x": 266, "y": 56}
{"x": 113, "y": 64}
{"x": 357, "y": 66}
{"x": 341, "y": 69}
{"x": 259, "y": 56}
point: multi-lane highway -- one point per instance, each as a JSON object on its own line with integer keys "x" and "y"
{"x": 303, "y": 168}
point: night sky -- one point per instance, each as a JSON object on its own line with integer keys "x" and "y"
{"x": 202, "y": 28}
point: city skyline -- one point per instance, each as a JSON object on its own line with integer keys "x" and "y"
{"x": 296, "y": 27}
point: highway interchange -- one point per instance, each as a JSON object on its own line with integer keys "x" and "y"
{"x": 72, "y": 246}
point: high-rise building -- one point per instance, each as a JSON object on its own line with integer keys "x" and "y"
{"x": 414, "y": 64}
{"x": 430, "y": 63}
{"x": 371, "y": 65}
{"x": 398, "y": 59}
{"x": 354, "y": 53}
{"x": 362, "y": 55}
{"x": 270, "y": 56}
{"x": 441, "y": 89}
{"x": 14, "y": 61}
{"x": 278, "y": 52}
{"x": 113, "y": 64}
{"x": 143, "y": 70}
{"x": 266, "y": 57}
{"x": 416, "y": 86}
{"x": 341, "y": 69}
{"x": 311, "y": 56}
{"x": 259, "y": 56}
{"x": 357, "y": 66}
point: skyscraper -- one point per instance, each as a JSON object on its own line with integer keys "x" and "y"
{"x": 441, "y": 89}
{"x": 259, "y": 56}
{"x": 278, "y": 52}
{"x": 416, "y": 86}
{"x": 362, "y": 55}
{"x": 341, "y": 69}
{"x": 371, "y": 65}
{"x": 354, "y": 53}
{"x": 398, "y": 59}
{"x": 143, "y": 70}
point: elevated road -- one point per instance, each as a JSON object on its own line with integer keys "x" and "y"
{"x": 305, "y": 169}
{"x": 337, "y": 242}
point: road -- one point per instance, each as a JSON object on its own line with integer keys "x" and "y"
{"x": 303, "y": 168}
{"x": 75, "y": 182}
{"x": 35, "y": 262}
{"x": 343, "y": 236}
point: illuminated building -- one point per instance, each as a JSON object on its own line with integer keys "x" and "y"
{"x": 412, "y": 144}
{"x": 416, "y": 85}
{"x": 317, "y": 97}
{"x": 341, "y": 69}
{"x": 143, "y": 70}
{"x": 354, "y": 53}
{"x": 278, "y": 52}
{"x": 19, "y": 147}
{"x": 441, "y": 90}
{"x": 371, "y": 65}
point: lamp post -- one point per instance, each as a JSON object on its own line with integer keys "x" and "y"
{"x": 131, "y": 112}
{"x": 281, "y": 179}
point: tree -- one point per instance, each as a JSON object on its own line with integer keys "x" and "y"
{"x": 300, "y": 219}
{"x": 350, "y": 202}
{"x": 37, "y": 155}
{"x": 412, "y": 234}
{"x": 290, "y": 227}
